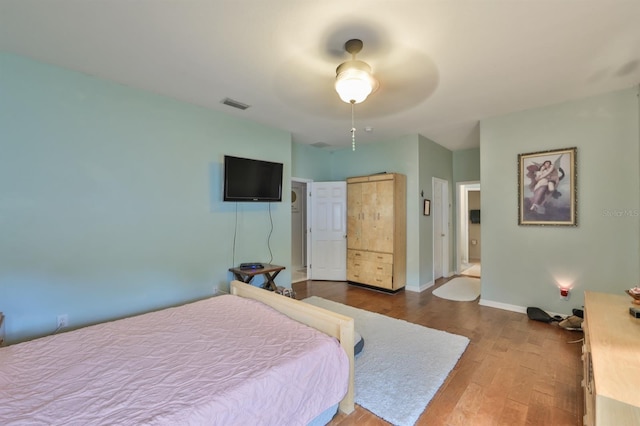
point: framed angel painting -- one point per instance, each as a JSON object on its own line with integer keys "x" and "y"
{"x": 547, "y": 188}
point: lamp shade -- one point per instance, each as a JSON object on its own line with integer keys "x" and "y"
{"x": 354, "y": 81}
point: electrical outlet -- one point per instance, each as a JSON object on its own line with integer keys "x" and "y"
{"x": 63, "y": 320}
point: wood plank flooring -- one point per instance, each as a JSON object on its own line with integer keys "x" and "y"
{"x": 515, "y": 371}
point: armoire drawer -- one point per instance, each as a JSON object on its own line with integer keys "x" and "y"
{"x": 370, "y": 256}
{"x": 371, "y": 273}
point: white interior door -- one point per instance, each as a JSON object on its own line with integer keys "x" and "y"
{"x": 440, "y": 210}
{"x": 445, "y": 208}
{"x": 329, "y": 231}
{"x": 437, "y": 231}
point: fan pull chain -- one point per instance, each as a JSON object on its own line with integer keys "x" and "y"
{"x": 353, "y": 127}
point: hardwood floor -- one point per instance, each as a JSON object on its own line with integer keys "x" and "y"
{"x": 515, "y": 371}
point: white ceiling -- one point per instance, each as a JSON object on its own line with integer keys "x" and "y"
{"x": 442, "y": 65}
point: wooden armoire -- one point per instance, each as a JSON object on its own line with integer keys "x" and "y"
{"x": 377, "y": 230}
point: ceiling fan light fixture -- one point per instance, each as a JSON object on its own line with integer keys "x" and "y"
{"x": 354, "y": 81}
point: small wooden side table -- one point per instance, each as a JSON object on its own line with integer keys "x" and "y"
{"x": 269, "y": 271}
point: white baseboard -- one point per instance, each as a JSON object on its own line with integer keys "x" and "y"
{"x": 512, "y": 308}
{"x": 503, "y": 306}
{"x": 421, "y": 287}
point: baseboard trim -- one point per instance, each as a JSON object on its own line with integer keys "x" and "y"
{"x": 503, "y": 306}
{"x": 512, "y": 308}
{"x": 421, "y": 287}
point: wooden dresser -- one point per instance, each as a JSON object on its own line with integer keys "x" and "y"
{"x": 611, "y": 358}
{"x": 377, "y": 230}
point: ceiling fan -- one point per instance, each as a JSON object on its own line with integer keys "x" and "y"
{"x": 354, "y": 81}
{"x": 396, "y": 77}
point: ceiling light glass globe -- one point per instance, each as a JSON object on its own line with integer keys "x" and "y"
{"x": 354, "y": 85}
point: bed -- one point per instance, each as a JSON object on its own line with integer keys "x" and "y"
{"x": 230, "y": 360}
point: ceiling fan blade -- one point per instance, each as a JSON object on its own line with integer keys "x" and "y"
{"x": 406, "y": 80}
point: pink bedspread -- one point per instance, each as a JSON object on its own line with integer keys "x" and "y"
{"x": 223, "y": 361}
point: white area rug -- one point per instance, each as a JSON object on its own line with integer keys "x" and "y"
{"x": 402, "y": 365}
{"x": 461, "y": 289}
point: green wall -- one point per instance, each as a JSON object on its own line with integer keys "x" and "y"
{"x": 435, "y": 161}
{"x": 110, "y": 199}
{"x": 466, "y": 165}
{"x": 393, "y": 156}
{"x": 466, "y": 168}
{"x": 309, "y": 162}
{"x": 523, "y": 265}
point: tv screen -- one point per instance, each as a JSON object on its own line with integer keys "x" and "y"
{"x": 246, "y": 179}
{"x": 474, "y": 216}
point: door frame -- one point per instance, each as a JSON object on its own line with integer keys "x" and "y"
{"x": 308, "y": 209}
{"x": 462, "y": 222}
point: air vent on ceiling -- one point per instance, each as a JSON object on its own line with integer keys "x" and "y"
{"x": 235, "y": 104}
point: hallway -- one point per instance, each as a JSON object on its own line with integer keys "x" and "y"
{"x": 299, "y": 274}
{"x": 472, "y": 269}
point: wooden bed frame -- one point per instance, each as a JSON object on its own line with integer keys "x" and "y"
{"x": 331, "y": 323}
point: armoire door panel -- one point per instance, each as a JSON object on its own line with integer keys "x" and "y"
{"x": 354, "y": 216}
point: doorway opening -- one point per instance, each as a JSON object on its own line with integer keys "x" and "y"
{"x": 469, "y": 247}
{"x": 300, "y": 228}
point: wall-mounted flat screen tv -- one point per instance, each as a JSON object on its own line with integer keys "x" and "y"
{"x": 474, "y": 216}
{"x": 246, "y": 179}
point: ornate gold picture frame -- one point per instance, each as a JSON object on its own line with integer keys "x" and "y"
{"x": 547, "y": 188}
